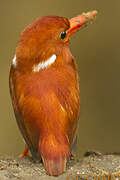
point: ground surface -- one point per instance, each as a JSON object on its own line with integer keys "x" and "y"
{"x": 91, "y": 164}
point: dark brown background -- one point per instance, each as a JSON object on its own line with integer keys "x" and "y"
{"x": 97, "y": 52}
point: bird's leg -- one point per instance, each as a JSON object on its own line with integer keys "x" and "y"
{"x": 71, "y": 156}
{"x": 25, "y": 153}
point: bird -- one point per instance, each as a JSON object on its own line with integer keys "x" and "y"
{"x": 44, "y": 88}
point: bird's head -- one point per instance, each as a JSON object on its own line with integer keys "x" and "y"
{"x": 45, "y": 42}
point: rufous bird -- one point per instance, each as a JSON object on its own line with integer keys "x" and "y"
{"x": 44, "y": 88}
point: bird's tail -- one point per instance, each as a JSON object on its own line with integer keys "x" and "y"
{"x": 54, "y": 152}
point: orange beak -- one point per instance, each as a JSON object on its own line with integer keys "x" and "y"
{"x": 80, "y": 21}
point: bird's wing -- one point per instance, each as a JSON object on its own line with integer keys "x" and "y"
{"x": 32, "y": 147}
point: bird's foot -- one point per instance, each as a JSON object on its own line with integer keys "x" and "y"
{"x": 72, "y": 156}
{"x": 25, "y": 153}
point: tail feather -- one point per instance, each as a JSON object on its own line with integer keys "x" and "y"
{"x": 55, "y": 167}
{"x": 54, "y": 154}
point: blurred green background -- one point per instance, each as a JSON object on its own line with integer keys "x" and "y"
{"x": 96, "y": 49}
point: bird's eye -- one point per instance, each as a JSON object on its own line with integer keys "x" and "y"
{"x": 62, "y": 34}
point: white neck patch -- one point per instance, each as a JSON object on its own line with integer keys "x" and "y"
{"x": 45, "y": 64}
{"x": 14, "y": 63}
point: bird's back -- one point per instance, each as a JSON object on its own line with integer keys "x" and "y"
{"x": 47, "y": 109}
